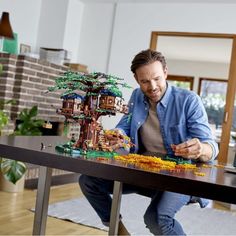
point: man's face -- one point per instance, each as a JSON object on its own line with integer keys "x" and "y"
{"x": 152, "y": 80}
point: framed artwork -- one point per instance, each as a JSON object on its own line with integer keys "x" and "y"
{"x": 24, "y": 48}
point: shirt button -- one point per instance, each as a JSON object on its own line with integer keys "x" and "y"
{"x": 139, "y": 123}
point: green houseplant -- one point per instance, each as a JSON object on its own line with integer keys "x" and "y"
{"x": 28, "y": 125}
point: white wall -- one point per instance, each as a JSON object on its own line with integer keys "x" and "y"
{"x": 198, "y": 69}
{"x": 60, "y": 25}
{"x": 43, "y": 23}
{"x": 24, "y": 18}
{"x": 73, "y": 28}
{"x": 96, "y": 35}
{"x": 132, "y": 31}
{"x": 110, "y": 34}
{"x": 52, "y": 23}
{"x": 134, "y": 23}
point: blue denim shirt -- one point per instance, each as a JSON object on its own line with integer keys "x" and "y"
{"x": 181, "y": 114}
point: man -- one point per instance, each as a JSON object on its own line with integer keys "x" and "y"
{"x": 164, "y": 119}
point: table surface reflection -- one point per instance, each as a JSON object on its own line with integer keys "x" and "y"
{"x": 216, "y": 184}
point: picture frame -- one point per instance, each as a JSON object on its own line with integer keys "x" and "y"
{"x": 24, "y": 48}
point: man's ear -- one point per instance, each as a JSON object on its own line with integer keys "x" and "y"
{"x": 136, "y": 78}
{"x": 166, "y": 72}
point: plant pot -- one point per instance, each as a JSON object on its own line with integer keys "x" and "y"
{"x": 7, "y": 186}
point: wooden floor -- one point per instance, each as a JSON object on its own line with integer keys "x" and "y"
{"x": 17, "y": 219}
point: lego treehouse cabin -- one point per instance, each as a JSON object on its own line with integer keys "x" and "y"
{"x": 86, "y": 97}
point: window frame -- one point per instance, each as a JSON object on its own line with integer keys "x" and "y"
{"x": 182, "y": 78}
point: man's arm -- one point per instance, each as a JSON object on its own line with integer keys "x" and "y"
{"x": 202, "y": 146}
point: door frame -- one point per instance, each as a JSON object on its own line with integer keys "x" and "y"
{"x": 231, "y": 87}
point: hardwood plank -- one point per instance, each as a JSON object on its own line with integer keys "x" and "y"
{"x": 17, "y": 219}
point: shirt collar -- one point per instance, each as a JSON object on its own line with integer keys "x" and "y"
{"x": 165, "y": 99}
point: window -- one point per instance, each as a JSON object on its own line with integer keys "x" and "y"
{"x": 213, "y": 94}
{"x": 185, "y": 82}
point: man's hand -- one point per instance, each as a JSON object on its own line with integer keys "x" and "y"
{"x": 193, "y": 149}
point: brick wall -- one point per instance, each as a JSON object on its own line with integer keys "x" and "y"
{"x": 26, "y": 80}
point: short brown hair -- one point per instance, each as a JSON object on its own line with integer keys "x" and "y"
{"x": 146, "y": 57}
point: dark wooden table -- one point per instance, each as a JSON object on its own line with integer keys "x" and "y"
{"x": 216, "y": 184}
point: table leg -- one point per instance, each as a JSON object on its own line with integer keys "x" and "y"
{"x": 115, "y": 209}
{"x": 41, "y": 208}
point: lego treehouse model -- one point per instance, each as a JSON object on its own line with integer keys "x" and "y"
{"x": 86, "y": 97}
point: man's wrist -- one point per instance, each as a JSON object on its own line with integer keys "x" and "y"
{"x": 207, "y": 152}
